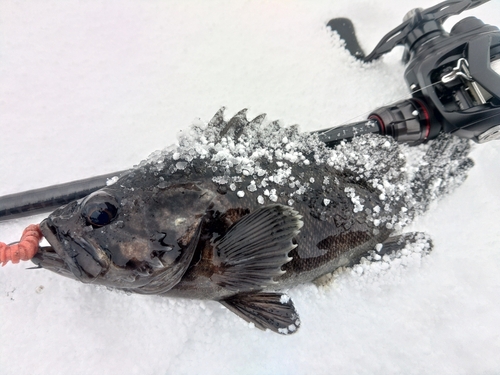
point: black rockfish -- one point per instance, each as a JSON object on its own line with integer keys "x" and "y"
{"x": 239, "y": 211}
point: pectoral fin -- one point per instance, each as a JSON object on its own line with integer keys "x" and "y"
{"x": 250, "y": 255}
{"x": 272, "y": 311}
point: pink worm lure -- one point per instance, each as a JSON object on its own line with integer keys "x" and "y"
{"x": 25, "y": 249}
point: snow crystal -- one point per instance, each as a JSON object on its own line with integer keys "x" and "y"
{"x": 112, "y": 180}
{"x": 272, "y": 195}
{"x": 252, "y": 187}
{"x": 240, "y": 193}
{"x": 220, "y": 180}
{"x": 284, "y": 299}
{"x": 181, "y": 165}
{"x": 356, "y": 200}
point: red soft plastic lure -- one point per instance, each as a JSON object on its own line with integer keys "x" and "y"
{"x": 25, "y": 249}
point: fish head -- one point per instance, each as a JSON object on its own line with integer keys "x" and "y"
{"x": 136, "y": 239}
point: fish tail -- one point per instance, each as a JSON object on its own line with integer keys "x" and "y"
{"x": 446, "y": 165}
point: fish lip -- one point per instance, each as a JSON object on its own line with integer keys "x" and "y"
{"x": 50, "y": 234}
{"x": 49, "y": 257}
{"x": 63, "y": 259}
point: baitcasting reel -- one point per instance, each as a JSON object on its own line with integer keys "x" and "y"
{"x": 454, "y": 78}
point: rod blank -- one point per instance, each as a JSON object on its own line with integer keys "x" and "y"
{"x": 46, "y": 199}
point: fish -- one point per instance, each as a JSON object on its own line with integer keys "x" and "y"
{"x": 240, "y": 211}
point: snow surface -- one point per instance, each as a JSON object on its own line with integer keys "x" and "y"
{"x": 90, "y": 88}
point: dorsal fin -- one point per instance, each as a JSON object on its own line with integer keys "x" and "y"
{"x": 218, "y": 120}
{"x": 235, "y": 127}
{"x": 237, "y": 123}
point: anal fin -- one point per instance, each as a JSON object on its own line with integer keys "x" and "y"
{"x": 274, "y": 311}
{"x": 399, "y": 242}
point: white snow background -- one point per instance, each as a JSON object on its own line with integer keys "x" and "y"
{"x": 88, "y": 88}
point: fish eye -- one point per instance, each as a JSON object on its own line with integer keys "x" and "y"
{"x": 99, "y": 209}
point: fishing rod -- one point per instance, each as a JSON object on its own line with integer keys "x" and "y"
{"x": 454, "y": 80}
{"x": 45, "y": 199}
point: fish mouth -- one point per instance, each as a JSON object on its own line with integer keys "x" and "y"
{"x": 50, "y": 234}
{"x": 51, "y": 257}
{"x": 77, "y": 258}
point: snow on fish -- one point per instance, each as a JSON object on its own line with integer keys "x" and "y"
{"x": 240, "y": 211}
